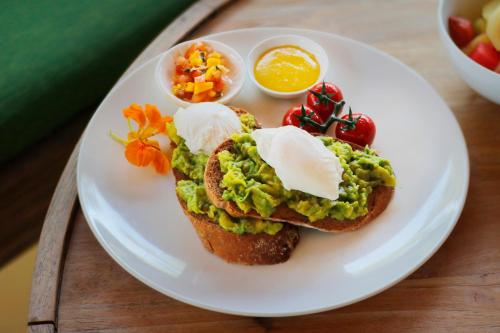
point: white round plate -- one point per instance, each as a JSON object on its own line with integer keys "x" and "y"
{"x": 134, "y": 213}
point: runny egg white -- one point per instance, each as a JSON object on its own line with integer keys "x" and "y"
{"x": 204, "y": 126}
{"x": 300, "y": 160}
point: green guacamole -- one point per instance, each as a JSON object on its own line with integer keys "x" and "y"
{"x": 252, "y": 184}
{"x": 192, "y": 191}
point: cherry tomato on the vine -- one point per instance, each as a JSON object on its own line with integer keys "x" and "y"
{"x": 320, "y": 98}
{"x": 362, "y": 133}
{"x": 292, "y": 117}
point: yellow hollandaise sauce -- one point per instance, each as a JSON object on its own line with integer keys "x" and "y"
{"x": 286, "y": 68}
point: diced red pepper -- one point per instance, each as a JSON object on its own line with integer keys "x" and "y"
{"x": 196, "y": 73}
{"x": 219, "y": 86}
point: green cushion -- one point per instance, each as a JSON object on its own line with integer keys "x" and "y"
{"x": 61, "y": 57}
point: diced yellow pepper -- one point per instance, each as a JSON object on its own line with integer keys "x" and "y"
{"x": 200, "y": 87}
{"x": 213, "y": 62}
{"x": 214, "y": 55}
{"x": 195, "y": 59}
{"x": 176, "y": 88}
{"x": 212, "y": 93}
{"x": 210, "y": 73}
{"x": 189, "y": 87}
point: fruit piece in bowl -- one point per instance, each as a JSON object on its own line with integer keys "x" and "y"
{"x": 201, "y": 71}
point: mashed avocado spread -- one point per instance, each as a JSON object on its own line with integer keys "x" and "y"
{"x": 252, "y": 184}
{"x": 192, "y": 191}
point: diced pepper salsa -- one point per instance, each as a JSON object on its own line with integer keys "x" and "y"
{"x": 200, "y": 74}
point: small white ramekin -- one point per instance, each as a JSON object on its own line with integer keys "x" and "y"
{"x": 302, "y": 42}
{"x": 166, "y": 68}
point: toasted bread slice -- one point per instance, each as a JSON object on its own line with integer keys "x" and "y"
{"x": 248, "y": 249}
{"x": 377, "y": 202}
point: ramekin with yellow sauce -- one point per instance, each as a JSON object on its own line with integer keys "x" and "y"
{"x": 287, "y": 66}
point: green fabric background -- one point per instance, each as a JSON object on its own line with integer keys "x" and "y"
{"x": 61, "y": 57}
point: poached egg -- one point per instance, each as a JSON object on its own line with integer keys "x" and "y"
{"x": 300, "y": 160}
{"x": 204, "y": 126}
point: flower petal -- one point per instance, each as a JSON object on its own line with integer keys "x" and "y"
{"x": 154, "y": 117}
{"x": 139, "y": 154}
{"x": 135, "y": 112}
{"x": 147, "y": 132}
{"x": 161, "y": 162}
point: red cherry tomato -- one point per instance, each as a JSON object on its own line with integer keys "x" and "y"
{"x": 317, "y": 98}
{"x": 362, "y": 134}
{"x": 292, "y": 118}
{"x": 486, "y": 55}
{"x": 461, "y": 30}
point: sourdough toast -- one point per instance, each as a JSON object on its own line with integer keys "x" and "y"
{"x": 248, "y": 249}
{"x": 377, "y": 201}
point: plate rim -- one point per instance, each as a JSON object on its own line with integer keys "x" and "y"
{"x": 188, "y": 300}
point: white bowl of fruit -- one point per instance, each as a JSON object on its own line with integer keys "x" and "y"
{"x": 470, "y": 32}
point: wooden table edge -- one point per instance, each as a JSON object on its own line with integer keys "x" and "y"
{"x": 57, "y": 224}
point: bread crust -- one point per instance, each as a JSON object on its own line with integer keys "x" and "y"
{"x": 247, "y": 249}
{"x": 377, "y": 201}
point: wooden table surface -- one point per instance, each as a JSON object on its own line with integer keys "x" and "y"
{"x": 458, "y": 289}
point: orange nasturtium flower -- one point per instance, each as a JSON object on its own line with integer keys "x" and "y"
{"x": 140, "y": 150}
